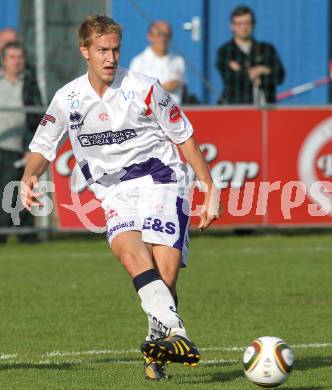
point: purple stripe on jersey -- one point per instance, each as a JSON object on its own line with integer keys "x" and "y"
{"x": 160, "y": 173}
{"x": 182, "y": 210}
{"x": 86, "y": 171}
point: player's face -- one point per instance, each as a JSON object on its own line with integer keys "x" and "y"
{"x": 103, "y": 57}
{"x": 242, "y": 26}
{"x": 13, "y": 61}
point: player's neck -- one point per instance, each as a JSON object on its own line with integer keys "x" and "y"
{"x": 98, "y": 85}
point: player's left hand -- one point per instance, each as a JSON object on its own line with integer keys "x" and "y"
{"x": 212, "y": 208}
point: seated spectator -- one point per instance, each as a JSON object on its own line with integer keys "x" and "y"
{"x": 156, "y": 61}
{"x": 250, "y": 70}
{"x": 18, "y": 88}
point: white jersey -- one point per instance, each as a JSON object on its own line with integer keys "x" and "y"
{"x": 126, "y": 134}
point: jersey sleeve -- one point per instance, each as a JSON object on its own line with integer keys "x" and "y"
{"x": 168, "y": 114}
{"x": 51, "y": 132}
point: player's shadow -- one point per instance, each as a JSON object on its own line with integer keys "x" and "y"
{"x": 63, "y": 365}
{"x": 301, "y": 364}
{"x": 310, "y": 362}
{"x": 205, "y": 378}
{"x": 38, "y": 366}
{"x": 307, "y": 388}
{"x": 116, "y": 361}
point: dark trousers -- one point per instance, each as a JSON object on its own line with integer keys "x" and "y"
{"x": 7, "y": 174}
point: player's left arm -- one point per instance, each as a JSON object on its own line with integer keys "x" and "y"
{"x": 212, "y": 208}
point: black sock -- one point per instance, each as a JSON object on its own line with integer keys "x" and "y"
{"x": 176, "y": 300}
{"x": 145, "y": 278}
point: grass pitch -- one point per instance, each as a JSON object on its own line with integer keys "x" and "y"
{"x": 70, "y": 318}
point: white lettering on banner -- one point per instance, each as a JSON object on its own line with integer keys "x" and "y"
{"x": 324, "y": 163}
{"x": 316, "y": 140}
{"x": 225, "y": 173}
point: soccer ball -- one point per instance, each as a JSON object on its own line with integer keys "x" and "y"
{"x": 268, "y": 361}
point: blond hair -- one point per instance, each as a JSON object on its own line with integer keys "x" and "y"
{"x": 98, "y": 24}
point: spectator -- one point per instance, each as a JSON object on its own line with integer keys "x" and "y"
{"x": 18, "y": 88}
{"x": 156, "y": 61}
{"x": 7, "y": 35}
{"x": 250, "y": 70}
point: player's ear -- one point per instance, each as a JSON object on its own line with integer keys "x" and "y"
{"x": 85, "y": 52}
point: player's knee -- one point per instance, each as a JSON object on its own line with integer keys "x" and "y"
{"x": 127, "y": 259}
{"x": 135, "y": 262}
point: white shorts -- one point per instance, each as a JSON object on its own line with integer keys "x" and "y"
{"x": 159, "y": 211}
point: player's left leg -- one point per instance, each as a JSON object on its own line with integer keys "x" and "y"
{"x": 166, "y": 261}
{"x": 176, "y": 347}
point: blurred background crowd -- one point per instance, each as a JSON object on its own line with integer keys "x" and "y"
{"x": 298, "y": 32}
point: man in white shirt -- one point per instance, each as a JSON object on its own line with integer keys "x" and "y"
{"x": 156, "y": 61}
{"x": 124, "y": 129}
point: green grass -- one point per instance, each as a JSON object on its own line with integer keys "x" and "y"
{"x": 72, "y": 296}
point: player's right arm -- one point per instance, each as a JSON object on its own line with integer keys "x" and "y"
{"x": 50, "y": 135}
{"x": 36, "y": 165}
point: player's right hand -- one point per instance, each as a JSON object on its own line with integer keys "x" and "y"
{"x": 29, "y": 195}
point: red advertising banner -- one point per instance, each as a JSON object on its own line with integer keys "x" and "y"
{"x": 299, "y": 156}
{"x": 274, "y": 167}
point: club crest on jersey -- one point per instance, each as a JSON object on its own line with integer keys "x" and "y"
{"x": 174, "y": 114}
{"x": 75, "y": 116}
{"x": 47, "y": 118}
{"x": 103, "y": 116}
{"x": 106, "y": 137}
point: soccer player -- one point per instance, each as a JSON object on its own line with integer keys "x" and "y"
{"x": 123, "y": 129}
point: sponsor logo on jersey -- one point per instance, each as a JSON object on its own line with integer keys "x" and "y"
{"x": 106, "y": 137}
{"x": 174, "y": 114}
{"x": 75, "y": 116}
{"x": 165, "y": 102}
{"x": 103, "y": 116}
{"x": 157, "y": 225}
{"x": 119, "y": 226}
{"x": 77, "y": 126}
{"x": 47, "y": 118}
